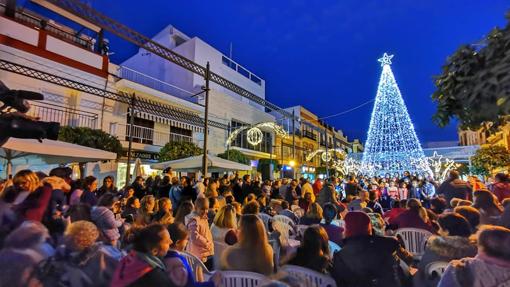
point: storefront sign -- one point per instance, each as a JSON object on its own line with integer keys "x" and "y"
{"x": 143, "y": 155}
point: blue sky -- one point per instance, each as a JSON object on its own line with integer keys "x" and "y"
{"x": 322, "y": 54}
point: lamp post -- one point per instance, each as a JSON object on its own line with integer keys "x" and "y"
{"x": 206, "y": 119}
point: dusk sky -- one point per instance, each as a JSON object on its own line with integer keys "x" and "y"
{"x": 323, "y": 54}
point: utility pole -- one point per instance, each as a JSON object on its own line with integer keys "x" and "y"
{"x": 228, "y": 145}
{"x": 293, "y": 144}
{"x": 206, "y": 119}
{"x": 327, "y": 152}
{"x": 131, "y": 128}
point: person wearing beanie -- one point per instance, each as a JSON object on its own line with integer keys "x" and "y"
{"x": 108, "y": 226}
{"x": 366, "y": 259}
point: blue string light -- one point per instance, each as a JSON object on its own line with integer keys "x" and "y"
{"x": 392, "y": 145}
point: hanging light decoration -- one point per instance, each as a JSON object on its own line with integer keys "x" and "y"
{"x": 254, "y": 135}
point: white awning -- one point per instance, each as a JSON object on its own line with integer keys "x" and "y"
{"x": 194, "y": 163}
{"x": 30, "y": 151}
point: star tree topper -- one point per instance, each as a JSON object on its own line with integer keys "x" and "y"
{"x": 385, "y": 60}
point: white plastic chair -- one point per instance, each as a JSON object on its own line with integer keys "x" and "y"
{"x": 414, "y": 240}
{"x": 219, "y": 247}
{"x": 310, "y": 278}
{"x": 243, "y": 279}
{"x": 333, "y": 247}
{"x": 197, "y": 266}
{"x": 301, "y": 230}
{"x": 436, "y": 269}
{"x": 284, "y": 229}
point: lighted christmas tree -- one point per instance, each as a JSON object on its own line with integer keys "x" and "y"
{"x": 392, "y": 145}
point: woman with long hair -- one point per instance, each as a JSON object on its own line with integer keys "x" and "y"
{"x": 24, "y": 183}
{"x": 252, "y": 253}
{"x": 224, "y": 227}
{"x": 185, "y": 208}
{"x": 147, "y": 210}
{"x": 488, "y": 205}
{"x": 314, "y": 250}
{"x": 501, "y": 187}
{"x": 313, "y": 215}
{"x": 108, "y": 186}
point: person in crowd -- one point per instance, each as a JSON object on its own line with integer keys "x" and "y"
{"x": 313, "y": 253}
{"x": 201, "y": 186}
{"x": 285, "y": 211}
{"x": 79, "y": 261}
{"x": 282, "y": 191}
{"x": 351, "y": 188}
{"x": 201, "y": 240}
{"x": 108, "y": 226}
{"x": 393, "y": 191}
{"x": 454, "y": 187}
{"x": 130, "y": 212}
{"x": 403, "y": 192}
{"x": 367, "y": 260}
{"x": 438, "y": 205}
{"x": 246, "y": 187}
{"x": 89, "y": 193}
{"x": 490, "y": 267}
{"x": 139, "y": 187}
{"x": 212, "y": 189}
{"x": 187, "y": 190}
{"x": 395, "y": 210}
{"x": 147, "y": 210}
{"x": 252, "y": 252}
{"x": 471, "y": 214}
{"x": 359, "y": 202}
{"x": 224, "y": 228}
{"x": 335, "y": 233}
{"x": 34, "y": 196}
{"x": 317, "y": 186}
{"x": 129, "y": 192}
{"x": 452, "y": 243}
{"x": 143, "y": 266}
{"x": 504, "y": 220}
{"x": 306, "y": 187}
{"x": 185, "y": 208}
{"x": 164, "y": 214}
{"x": 313, "y": 215}
{"x": 214, "y": 206}
{"x": 414, "y": 217}
{"x": 291, "y": 195}
{"x": 303, "y": 202}
{"x": 501, "y": 186}
{"x": 33, "y": 238}
{"x": 327, "y": 195}
{"x": 108, "y": 186}
{"x": 373, "y": 202}
{"x": 179, "y": 235}
{"x": 488, "y": 205}
{"x": 175, "y": 191}
{"x": 163, "y": 189}
{"x": 18, "y": 267}
{"x": 181, "y": 274}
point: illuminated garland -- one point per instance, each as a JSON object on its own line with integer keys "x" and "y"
{"x": 392, "y": 146}
{"x": 254, "y": 136}
{"x": 325, "y": 157}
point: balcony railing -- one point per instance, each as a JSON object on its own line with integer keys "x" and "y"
{"x": 147, "y": 135}
{"x": 58, "y": 32}
{"x": 310, "y": 135}
{"x": 152, "y": 82}
{"x": 63, "y": 115}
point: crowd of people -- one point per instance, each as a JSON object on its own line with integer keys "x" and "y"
{"x": 55, "y": 231}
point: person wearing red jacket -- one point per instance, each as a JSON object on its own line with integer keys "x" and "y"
{"x": 501, "y": 187}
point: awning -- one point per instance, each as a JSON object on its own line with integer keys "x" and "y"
{"x": 30, "y": 151}
{"x": 194, "y": 163}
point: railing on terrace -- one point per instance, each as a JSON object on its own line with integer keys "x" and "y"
{"x": 64, "y": 115}
{"x": 52, "y": 29}
{"x": 152, "y": 82}
{"x": 147, "y": 135}
{"x": 309, "y": 135}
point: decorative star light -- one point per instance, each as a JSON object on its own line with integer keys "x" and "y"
{"x": 385, "y": 60}
{"x": 254, "y": 134}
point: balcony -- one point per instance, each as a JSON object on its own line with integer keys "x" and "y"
{"x": 310, "y": 135}
{"x": 152, "y": 82}
{"x": 146, "y": 135}
{"x": 63, "y": 115}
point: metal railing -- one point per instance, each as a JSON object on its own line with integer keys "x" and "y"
{"x": 310, "y": 135}
{"x": 63, "y": 115}
{"x": 152, "y": 82}
{"x": 43, "y": 24}
{"x": 147, "y": 135}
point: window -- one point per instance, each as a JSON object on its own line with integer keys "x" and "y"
{"x": 143, "y": 130}
{"x": 180, "y": 131}
{"x": 255, "y": 79}
{"x": 243, "y": 71}
{"x": 240, "y": 140}
{"x": 229, "y": 63}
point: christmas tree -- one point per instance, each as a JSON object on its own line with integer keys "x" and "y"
{"x": 392, "y": 146}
